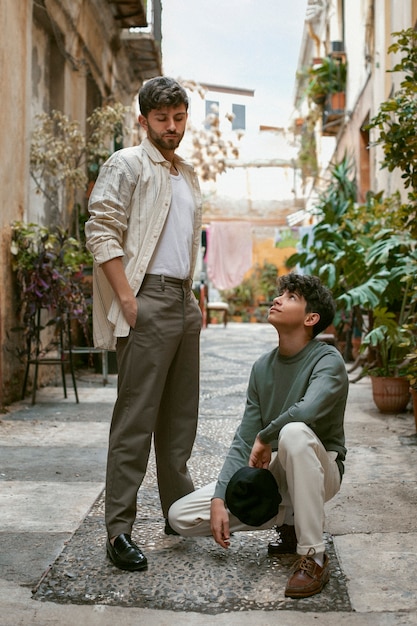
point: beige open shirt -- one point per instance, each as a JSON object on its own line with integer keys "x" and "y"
{"x": 128, "y": 207}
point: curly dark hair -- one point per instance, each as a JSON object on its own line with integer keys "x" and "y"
{"x": 318, "y": 298}
{"x": 161, "y": 92}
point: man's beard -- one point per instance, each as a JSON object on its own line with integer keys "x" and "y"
{"x": 170, "y": 143}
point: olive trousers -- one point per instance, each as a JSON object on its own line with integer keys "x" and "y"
{"x": 158, "y": 395}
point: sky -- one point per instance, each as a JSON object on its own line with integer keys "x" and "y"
{"x": 252, "y": 44}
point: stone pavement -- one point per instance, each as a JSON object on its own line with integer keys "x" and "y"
{"x": 53, "y": 568}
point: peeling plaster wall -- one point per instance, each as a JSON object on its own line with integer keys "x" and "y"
{"x": 15, "y": 18}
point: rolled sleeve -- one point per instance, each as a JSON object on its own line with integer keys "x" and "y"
{"x": 109, "y": 212}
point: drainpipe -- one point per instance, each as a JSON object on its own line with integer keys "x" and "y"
{"x": 315, "y": 38}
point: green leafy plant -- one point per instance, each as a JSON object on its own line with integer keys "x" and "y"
{"x": 364, "y": 255}
{"x": 240, "y": 298}
{"x": 260, "y": 285}
{"x": 48, "y": 266}
{"x": 265, "y": 278}
{"x": 389, "y": 297}
{"x": 321, "y": 250}
{"x": 395, "y": 123}
{"x": 327, "y": 77}
{"x": 409, "y": 366}
{"x": 331, "y": 250}
{"x": 391, "y": 342}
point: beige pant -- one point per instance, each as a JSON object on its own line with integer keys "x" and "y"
{"x": 307, "y": 476}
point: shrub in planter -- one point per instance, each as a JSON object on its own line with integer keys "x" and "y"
{"x": 48, "y": 266}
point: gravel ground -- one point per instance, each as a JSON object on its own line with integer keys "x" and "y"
{"x": 192, "y": 574}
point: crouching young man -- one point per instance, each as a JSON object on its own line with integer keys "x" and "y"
{"x": 295, "y": 406}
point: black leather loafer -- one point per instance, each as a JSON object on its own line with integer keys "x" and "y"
{"x": 125, "y": 554}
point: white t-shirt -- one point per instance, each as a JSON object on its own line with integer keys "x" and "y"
{"x": 172, "y": 256}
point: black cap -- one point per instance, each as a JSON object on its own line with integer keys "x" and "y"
{"x": 252, "y": 495}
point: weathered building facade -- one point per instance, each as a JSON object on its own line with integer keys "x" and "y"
{"x": 356, "y": 32}
{"x": 72, "y": 56}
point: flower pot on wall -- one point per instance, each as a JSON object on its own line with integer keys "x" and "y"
{"x": 338, "y": 101}
{"x": 390, "y": 394}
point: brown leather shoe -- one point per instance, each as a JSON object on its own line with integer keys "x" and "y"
{"x": 307, "y": 577}
{"x": 285, "y": 543}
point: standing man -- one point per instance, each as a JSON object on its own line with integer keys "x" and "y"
{"x": 295, "y": 404}
{"x": 144, "y": 233}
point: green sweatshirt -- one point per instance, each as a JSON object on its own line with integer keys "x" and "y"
{"x": 310, "y": 387}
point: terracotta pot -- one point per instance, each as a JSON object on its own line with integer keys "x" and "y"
{"x": 390, "y": 394}
{"x": 338, "y": 101}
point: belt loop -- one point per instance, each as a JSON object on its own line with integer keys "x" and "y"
{"x": 162, "y": 282}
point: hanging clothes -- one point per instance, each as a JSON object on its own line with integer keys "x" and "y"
{"x": 229, "y": 253}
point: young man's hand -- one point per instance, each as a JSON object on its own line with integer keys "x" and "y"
{"x": 115, "y": 274}
{"x": 130, "y": 310}
{"x": 219, "y": 521}
{"x": 260, "y": 455}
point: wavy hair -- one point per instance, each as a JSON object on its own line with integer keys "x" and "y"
{"x": 160, "y": 92}
{"x": 318, "y": 298}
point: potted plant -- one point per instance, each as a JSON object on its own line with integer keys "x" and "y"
{"x": 385, "y": 291}
{"x": 325, "y": 79}
{"x": 389, "y": 342}
{"x": 48, "y": 266}
{"x": 48, "y": 263}
{"x": 240, "y": 299}
{"x": 266, "y": 282}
